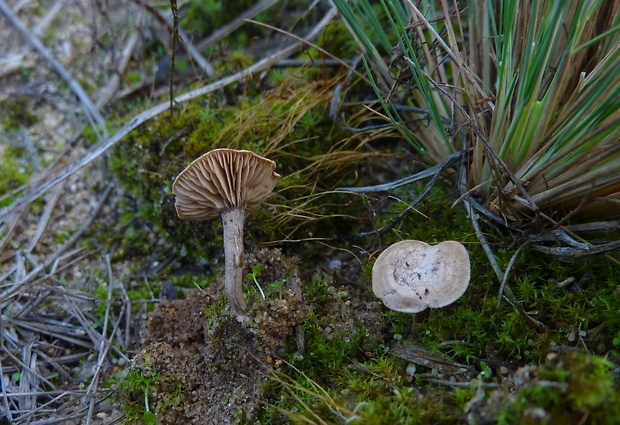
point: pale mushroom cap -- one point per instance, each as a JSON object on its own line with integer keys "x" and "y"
{"x": 410, "y": 276}
{"x": 223, "y": 179}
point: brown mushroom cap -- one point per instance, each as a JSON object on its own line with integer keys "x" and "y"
{"x": 223, "y": 179}
{"x": 410, "y": 276}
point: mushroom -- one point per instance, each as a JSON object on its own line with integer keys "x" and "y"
{"x": 410, "y": 276}
{"x": 226, "y": 182}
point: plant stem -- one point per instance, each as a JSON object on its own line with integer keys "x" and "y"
{"x": 233, "y": 253}
{"x": 262, "y": 294}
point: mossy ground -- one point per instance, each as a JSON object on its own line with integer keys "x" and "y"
{"x": 16, "y": 168}
{"x": 516, "y": 373}
{"x": 322, "y": 349}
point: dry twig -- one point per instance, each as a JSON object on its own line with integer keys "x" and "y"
{"x": 235, "y": 23}
{"x": 92, "y": 113}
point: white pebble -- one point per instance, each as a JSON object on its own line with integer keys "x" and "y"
{"x": 335, "y": 264}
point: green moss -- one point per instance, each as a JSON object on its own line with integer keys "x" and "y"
{"x": 327, "y": 352}
{"x": 140, "y": 390}
{"x": 14, "y": 172}
{"x": 337, "y": 40}
{"x": 93, "y": 135}
{"x": 567, "y": 390}
{"x": 375, "y": 392}
{"x": 570, "y": 299}
{"x": 214, "y": 315}
{"x": 17, "y": 112}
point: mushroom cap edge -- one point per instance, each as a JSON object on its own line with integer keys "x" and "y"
{"x": 221, "y": 179}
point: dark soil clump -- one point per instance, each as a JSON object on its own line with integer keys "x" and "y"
{"x": 211, "y": 368}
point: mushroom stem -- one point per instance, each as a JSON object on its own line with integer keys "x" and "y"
{"x": 233, "y": 219}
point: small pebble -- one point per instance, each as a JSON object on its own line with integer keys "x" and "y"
{"x": 335, "y": 264}
{"x": 168, "y": 291}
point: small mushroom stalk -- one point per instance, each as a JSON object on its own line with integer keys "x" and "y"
{"x": 233, "y": 219}
{"x": 226, "y": 182}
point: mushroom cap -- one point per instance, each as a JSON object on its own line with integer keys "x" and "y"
{"x": 223, "y": 179}
{"x": 410, "y": 276}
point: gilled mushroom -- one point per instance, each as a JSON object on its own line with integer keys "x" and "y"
{"x": 410, "y": 276}
{"x": 226, "y": 182}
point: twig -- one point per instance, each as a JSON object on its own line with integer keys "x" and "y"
{"x": 104, "y": 347}
{"x": 50, "y": 204}
{"x": 103, "y": 352}
{"x": 235, "y": 23}
{"x": 425, "y": 357}
{"x": 486, "y": 247}
{"x": 299, "y": 63}
{"x": 466, "y": 197}
{"x": 507, "y": 272}
{"x": 202, "y": 62}
{"x": 450, "y": 161}
{"x": 573, "y": 252}
{"x": 9, "y": 230}
{"x": 334, "y": 104}
{"x": 109, "y": 90}
{"x": 488, "y": 214}
{"x": 25, "y": 367}
{"x": 55, "y": 365}
{"x": 47, "y": 329}
{"x": 560, "y": 235}
{"x": 53, "y": 393}
{"x": 12, "y": 62}
{"x": 36, "y": 300}
{"x": 27, "y": 142}
{"x": 61, "y": 289}
{"x": 61, "y": 421}
{"x": 52, "y": 12}
{"x": 507, "y": 290}
{"x": 101, "y": 147}
{"x": 595, "y": 227}
{"x": 95, "y": 337}
{"x": 73, "y": 254}
{"x": 4, "y": 395}
{"x": 56, "y": 255}
{"x": 127, "y": 301}
{"x": 28, "y": 381}
{"x": 178, "y": 35}
{"x": 319, "y": 48}
{"x": 39, "y": 409}
{"x": 535, "y": 324}
{"x": 90, "y": 108}
{"x": 173, "y": 55}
